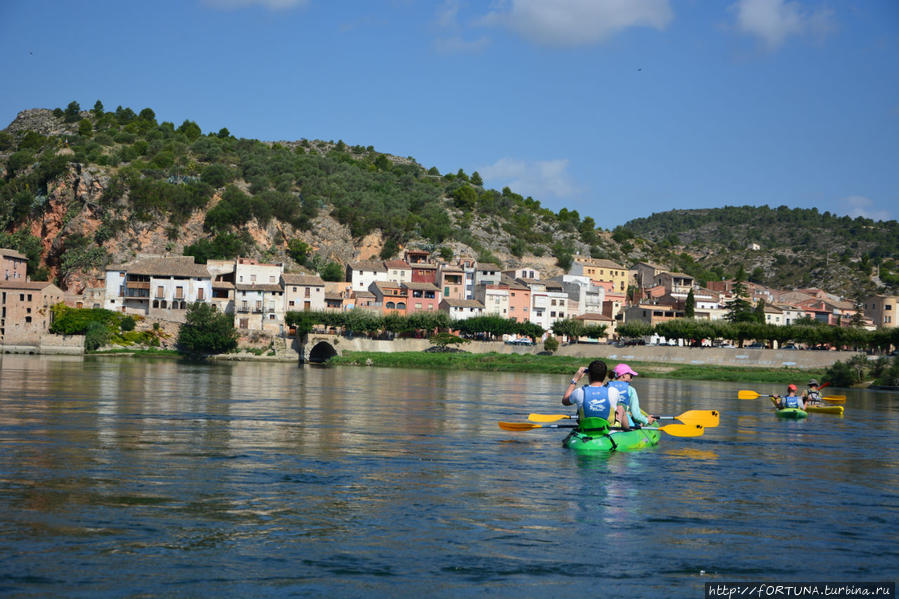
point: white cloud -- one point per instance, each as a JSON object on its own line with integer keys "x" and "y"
{"x": 864, "y": 207}
{"x": 577, "y": 22}
{"x": 270, "y": 4}
{"x": 536, "y": 179}
{"x": 452, "y": 40}
{"x": 772, "y": 21}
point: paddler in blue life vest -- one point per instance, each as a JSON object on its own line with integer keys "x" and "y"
{"x": 595, "y": 400}
{"x": 627, "y": 395}
{"x": 790, "y": 400}
{"x": 812, "y": 395}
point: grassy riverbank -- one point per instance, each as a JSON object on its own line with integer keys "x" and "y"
{"x": 565, "y": 365}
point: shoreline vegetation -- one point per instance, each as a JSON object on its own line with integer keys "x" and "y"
{"x": 565, "y": 365}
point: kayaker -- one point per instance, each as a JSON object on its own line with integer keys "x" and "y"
{"x": 791, "y": 399}
{"x": 812, "y": 395}
{"x": 595, "y": 400}
{"x": 628, "y": 395}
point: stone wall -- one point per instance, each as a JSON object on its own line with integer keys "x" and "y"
{"x": 48, "y": 344}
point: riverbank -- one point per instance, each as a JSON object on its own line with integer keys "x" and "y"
{"x": 566, "y": 365}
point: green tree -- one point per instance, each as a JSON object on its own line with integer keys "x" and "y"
{"x": 444, "y": 339}
{"x": 190, "y": 129}
{"x": 98, "y": 109}
{"x": 72, "y": 113}
{"x": 298, "y": 250}
{"x": 332, "y": 272}
{"x": 690, "y": 306}
{"x": 550, "y": 344}
{"x": 206, "y": 331}
{"x": 476, "y": 179}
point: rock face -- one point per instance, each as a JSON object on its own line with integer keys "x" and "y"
{"x": 41, "y": 120}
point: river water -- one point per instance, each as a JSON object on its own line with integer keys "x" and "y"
{"x": 143, "y": 478}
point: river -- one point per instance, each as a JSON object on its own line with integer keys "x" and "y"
{"x": 151, "y": 478}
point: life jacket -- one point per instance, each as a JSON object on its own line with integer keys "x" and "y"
{"x": 624, "y": 396}
{"x": 596, "y": 403}
{"x": 792, "y": 401}
{"x": 813, "y": 396}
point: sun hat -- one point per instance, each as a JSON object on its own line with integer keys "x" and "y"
{"x": 813, "y": 382}
{"x": 791, "y": 387}
{"x": 622, "y": 369}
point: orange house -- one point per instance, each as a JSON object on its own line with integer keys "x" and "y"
{"x": 391, "y": 297}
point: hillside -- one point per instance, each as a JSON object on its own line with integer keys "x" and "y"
{"x": 782, "y": 247}
{"x": 82, "y": 189}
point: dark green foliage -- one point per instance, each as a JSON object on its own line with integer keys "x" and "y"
{"x": 190, "y": 129}
{"x": 445, "y": 339}
{"x": 207, "y": 331}
{"x": 72, "y": 113}
{"x": 7, "y": 142}
{"x": 151, "y": 199}
{"x": 690, "y": 305}
{"x": 81, "y": 254}
{"x": 389, "y": 249}
{"x": 476, "y": 179}
{"x": 223, "y": 246}
{"x": 298, "y": 250}
{"x": 332, "y": 272}
{"x": 85, "y": 128}
{"x": 95, "y": 336}
{"x": 551, "y": 344}
{"x": 127, "y": 323}
{"x": 216, "y": 175}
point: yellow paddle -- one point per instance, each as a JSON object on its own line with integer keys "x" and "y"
{"x": 834, "y": 398}
{"x": 707, "y": 418}
{"x": 675, "y": 430}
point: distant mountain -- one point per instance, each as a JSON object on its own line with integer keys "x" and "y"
{"x": 83, "y": 189}
{"x": 780, "y": 247}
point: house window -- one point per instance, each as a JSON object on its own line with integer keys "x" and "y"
{"x": 252, "y": 278}
{"x": 307, "y": 292}
{"x": 200, "y": 294}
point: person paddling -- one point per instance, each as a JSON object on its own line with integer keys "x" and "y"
{"x": 812, "y": 395}
{"x": 628, "y": 395}
{"x": 595, "y": 400}
{"x": 791, "y": 399}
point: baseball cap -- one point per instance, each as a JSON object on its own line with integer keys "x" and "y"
{"x": 621, "y": 369}
{"x": 791, "y": 387}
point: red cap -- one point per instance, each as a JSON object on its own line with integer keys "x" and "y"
{"x": 791, "y": 387}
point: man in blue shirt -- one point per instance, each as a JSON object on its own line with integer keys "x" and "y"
{"x": 595, "y": 400}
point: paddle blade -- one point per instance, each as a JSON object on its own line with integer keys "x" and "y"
{"x": 683, "y": 430}
{"x": 706, "y": 418}
{"x": 518, "y": 426}
{"x": 834, "y": 398}
{"x": 748, "y": 394}
{"x": 547, "y": 417}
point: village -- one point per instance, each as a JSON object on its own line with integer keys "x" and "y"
{"x": 595, "y": 292}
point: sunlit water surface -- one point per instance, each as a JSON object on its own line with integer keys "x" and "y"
{"x": 142, "y": 478}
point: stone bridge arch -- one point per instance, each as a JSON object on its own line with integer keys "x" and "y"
{"x": 318, "y": 348}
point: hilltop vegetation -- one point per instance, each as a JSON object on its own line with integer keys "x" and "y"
{"x": 82, "y": 189}
{"x": 796, "y": 247}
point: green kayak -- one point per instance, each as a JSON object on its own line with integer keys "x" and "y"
{"x": 592, "y": 436}
{"x": 795, "y": 413}
{"x": 791, "y": 413}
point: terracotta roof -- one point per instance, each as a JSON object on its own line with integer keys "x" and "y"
{"x": 593, "y": 316}
{"x": 397, "y": 264}
{"x": 421, "y": 286}
{"x": 222, "y": 285}
{"x": 451, "y": 268}
{"x": 255, "y": 287}
{"x": 363, "y": 294}
{"x": 424, "y": 266}
{"x": 373, "y": 265}
{"x": 532, "y": 281}
{"x": 163, "y": 266}
{"x": 488, "y": 266}
{"x": 598, "y": 262}
{"x": 381, "y": 285}
{"x": 302, "y": 279}
{"x": 462, "y": 303}
{"x": 27, "y": 285}
{"x": 12, "y": 254}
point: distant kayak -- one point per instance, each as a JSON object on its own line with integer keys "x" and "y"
{"x": 837, "y": 410}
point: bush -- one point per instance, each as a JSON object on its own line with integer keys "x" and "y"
{"x": 96, "y": 335}
{"x": 551, "y": 344}
{"x": 128, "y": 323}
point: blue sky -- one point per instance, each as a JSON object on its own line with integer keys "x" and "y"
{"x": 614, "y": 108}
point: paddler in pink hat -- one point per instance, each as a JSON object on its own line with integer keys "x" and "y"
{"x": 627, "y": 395}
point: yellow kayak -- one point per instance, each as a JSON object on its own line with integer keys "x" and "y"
{"x": 838, "y": 410}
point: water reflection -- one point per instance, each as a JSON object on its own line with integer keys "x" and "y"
{"x": 196, "y": 475}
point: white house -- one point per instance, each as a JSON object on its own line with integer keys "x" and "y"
{"x": 157, "y": 286}
{"x": 460, "y": 309}
{"x": 363, "y": 273}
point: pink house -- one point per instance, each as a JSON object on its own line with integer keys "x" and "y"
{"x": 421, "y": 297}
